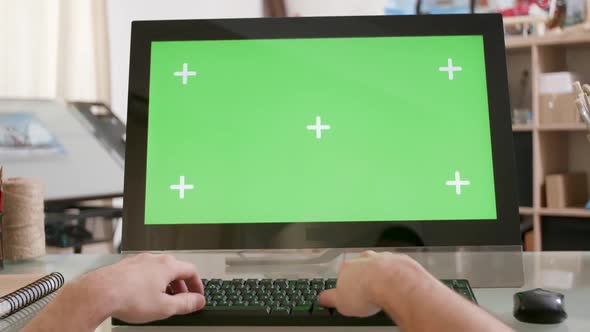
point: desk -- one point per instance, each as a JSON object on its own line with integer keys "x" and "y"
{"x": 566, "y": 272}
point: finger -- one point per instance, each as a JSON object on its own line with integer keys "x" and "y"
{"x": 369, "y": 254}
{"x": 328, "y": 298}
{"x": 187, "y": 272}
{"x": 178, "y": 286}
{"x": 183, "y": 303}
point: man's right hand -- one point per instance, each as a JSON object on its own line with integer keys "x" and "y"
{"x": 355, "y": 292}
{"x": 410, "y": 295}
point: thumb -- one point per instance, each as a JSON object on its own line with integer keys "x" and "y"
{"x": 328, "y": 298}
{"x": 185, "y": 303}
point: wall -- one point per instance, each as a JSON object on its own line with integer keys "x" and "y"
{"x": 121, "y": 13}
{"x": 51, "y": 49}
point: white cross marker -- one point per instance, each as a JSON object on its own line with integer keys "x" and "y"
{"x": 450, "y": 69}
{"x": 318, "y": 127}
{"x": 185, "y": 73}
{"x": 458, "y": 183}
{"x": 182, "y": 187}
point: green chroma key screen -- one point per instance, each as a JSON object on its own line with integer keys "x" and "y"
{"x": 319, "y": 130}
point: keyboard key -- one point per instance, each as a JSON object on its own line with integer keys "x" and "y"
{"x": 280, "y": 282}
{"x": 280, "y": 297}
{"x": 296, "y": 298}
{"x": 227, "y": 286}
{"x": 317, "y": 281}
{"x": 219, "y": 298}
{"x": 237, "y": 282}
{"x": 318, "y": 287}
{"x": 263, "y": 292}
{"x": 301, "y": 310}
{"x": 216, "y": 291}
{"x": 252, "y": 282}
{"x": 223, "y": 303}
{"x": 265, "y": 282}
{"x": 234, "y": 298}
{"x": 319, "y": 311}
{"x": 304, "y": 304}
{"x": 330, "y": 283}
{"x": 309, "y": 292}
{"x": 280, "y": 311}
{"x": 249, "y": 298}
{"x": 239, "y": 310}
{"x": 214, "y": 282}
{"x": 465, "y": 292}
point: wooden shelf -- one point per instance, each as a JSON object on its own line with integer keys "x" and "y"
{"x": 523, "y": 127}
{"x": 565, "y": 212}
{"x": 526, "y": 211}
{"x": 563, "y": 38}
{"x": 563, "y": 127}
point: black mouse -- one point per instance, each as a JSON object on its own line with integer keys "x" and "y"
{"x": 539, "y": 306}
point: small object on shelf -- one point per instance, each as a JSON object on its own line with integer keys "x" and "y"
{"x": 566, "y": 190}
{"x": 583, "y": 103}
{"x": 557, "y": 20}
{"x": 556, "y": 92}
{"x": 558, "y": 108}
{"x": 575, "y": 12}
{"x": 522, "y": 116}
{"x": 557, "y": 82}
{"x": 588, "y": 205}
{"x": 524, "y": 25}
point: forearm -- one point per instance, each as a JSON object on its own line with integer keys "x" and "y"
{"x": 427, "y": 304}
{"x": 78, "y": 307}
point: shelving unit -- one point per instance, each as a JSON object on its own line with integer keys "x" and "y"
{"x": 556, "y": 148}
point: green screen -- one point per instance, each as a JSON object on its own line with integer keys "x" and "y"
{"x": 403, "y": 133}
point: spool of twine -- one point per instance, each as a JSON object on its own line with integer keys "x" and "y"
{"x": 23, "y": 224}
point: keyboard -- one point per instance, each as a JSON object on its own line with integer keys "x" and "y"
{"x": 278, "y": 302}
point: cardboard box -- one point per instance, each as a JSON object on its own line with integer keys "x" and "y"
{"x": 557, "y": 83}
{"x": 566, "y": 190}
{"x": 558, "y": 108}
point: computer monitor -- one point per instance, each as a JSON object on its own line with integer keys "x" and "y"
{"x": 319, "y": 132}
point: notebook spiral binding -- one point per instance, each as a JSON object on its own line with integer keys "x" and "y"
{"x": 19, "y": 319}
{"x": 33, "y": 292}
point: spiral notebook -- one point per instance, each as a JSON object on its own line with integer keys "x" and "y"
{"x": 21, "y": 296}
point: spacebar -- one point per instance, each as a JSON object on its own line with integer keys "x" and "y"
{"x": 236, "y": 311}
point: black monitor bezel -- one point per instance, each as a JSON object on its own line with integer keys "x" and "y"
{"x": 138, "y": 237}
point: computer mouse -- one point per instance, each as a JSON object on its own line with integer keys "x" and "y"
{"x": 539, "y": 306}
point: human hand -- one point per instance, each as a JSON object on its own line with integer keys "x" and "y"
{"x": 149, "y": 287}
{"x": 355, "y": 293}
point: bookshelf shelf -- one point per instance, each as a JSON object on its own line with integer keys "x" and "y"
{"x": 563, "y": 127}
{"x": 580, "y": 35}
{"x": 525, "y": 211}
{"x": 565, "y": 212}
{"x": 523, "y": 127}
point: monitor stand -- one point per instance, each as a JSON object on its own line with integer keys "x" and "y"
{"x": 490, "y": 266}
